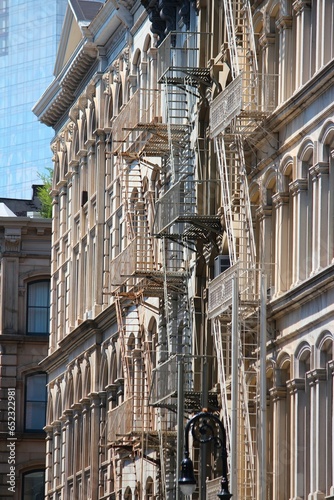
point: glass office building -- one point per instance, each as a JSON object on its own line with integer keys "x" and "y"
{"x": 29, "y": 34}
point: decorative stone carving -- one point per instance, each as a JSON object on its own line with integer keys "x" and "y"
{"x": 12, "y": 239}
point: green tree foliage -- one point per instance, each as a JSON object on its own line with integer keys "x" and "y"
{"x": 44, "y": 194}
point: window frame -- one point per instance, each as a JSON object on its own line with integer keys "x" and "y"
{"x": 30, "y": 308}
{"x": 37, "y": 401}
{"x": 27, "y": 473}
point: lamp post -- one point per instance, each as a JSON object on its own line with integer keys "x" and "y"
{"x": 205, "y": 427}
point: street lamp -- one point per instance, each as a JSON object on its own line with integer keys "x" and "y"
{"x": 205, "y": 427}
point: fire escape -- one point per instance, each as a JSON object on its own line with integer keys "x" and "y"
{"x": 182, "y": 219}
{"x": 234, "y": 296}
{"x": 155, "y": 127}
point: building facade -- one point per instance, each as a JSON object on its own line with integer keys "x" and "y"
{"x": 24, "y": 335}
{"x": 29, "y": 35}
{"x": 192, "y": 247}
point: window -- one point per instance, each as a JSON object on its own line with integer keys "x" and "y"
{"x": 3, "y": 27}
{"x": 33, "y": 485}
{"x": 38, "y": 313}
{"x": 35, "y": 402}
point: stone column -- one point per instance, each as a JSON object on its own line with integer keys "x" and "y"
{"x": 298, "y": 458}
{"x": 322, "y": 216}
{"x": 152, "y": 54}
{"x": 100, "y": 217}
{"x": 330, "y": 453}
{"x": 303, "y": 40}
{"x": 312, "y": 260}
{"x": 266, "y": 259}
{"x": 103, "y": 426}
{"x": 56, "y": 453}
{"x": 91, "y": 221}
{"x": 267, "y": 42}
{"x": 317, "y": 381}
{"x": 282, "y": 247}
{"x": 68, "y": 449}
{"x": 111, "y": 390}
{"x": 85, "y": 443}
{"x": 280, "y": 448}
{"x": 94, "y": 447}
{"x": 269, "y": 60}
{"x": 138, "y": 403}
{"x": 299, "y": 196}
{"x": 77, "y": 441}
{"x": 321, "y": 38}
{"x": 48, "y": 460}
{"x": 286, "y": 49}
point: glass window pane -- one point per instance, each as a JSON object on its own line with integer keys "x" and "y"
{"x": 35, "y": 416}
{"x": 38, "y": 311}
{"x": 33, "y": 486}
{"x": 35, "y": 402}
{"x": 36, "y": 387}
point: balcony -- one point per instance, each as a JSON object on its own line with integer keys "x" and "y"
{"x": 182, "y": 59}
{"x": 135, "y": 259}
{"x": 213, "y": 486}
{"x": 183, "y": 206}
{"x": 135, "y": 267}
{"x": 139, "y": 127}
{"x": 250, "y": 100}
{"x": 122, "y": 421}
{"x": 221, "y": 290}
{"x": 163, "y": 391}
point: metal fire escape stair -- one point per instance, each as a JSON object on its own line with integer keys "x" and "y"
{"x": 235, "y": 115}
{"x": 122, "y": 332}
{"x": 135, "y": 207}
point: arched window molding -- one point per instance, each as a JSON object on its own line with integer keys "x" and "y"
{"x": 306, "y": 200}
{"x": 323, "y": 352}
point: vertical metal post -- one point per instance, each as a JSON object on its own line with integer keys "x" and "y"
{"x": 203, "y": 448}
{"x": 180, "y": 413}
{"x": 263, "y": 389}
{"x": 234, "y": 386}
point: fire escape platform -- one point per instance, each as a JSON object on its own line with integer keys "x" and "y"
{"x": 151, "y": 283}
{"x": 150, "y": 139}
{"x": 164, "y": 392}
{"x": 179, "y": 62}
{"x": 192, "y": 402}
{"x": 182, "y": 77}
{"x": 195, "y": 227}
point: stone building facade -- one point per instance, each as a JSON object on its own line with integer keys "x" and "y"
{"x": 192, "y": 234}
{"x": 25, "y": 242}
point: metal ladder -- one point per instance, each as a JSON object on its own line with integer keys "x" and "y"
{"x": 136, "y": 214}
{"x": 239, "y": 228}
{"x": 236, "y": 202}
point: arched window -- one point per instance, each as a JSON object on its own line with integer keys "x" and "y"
{"x": 128, "y": 494}
{"x": 149, "y": 489}
{"x": 38, "y": 308}
{"x": 35, "y": 402}
{"x": 33, "y": 485}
